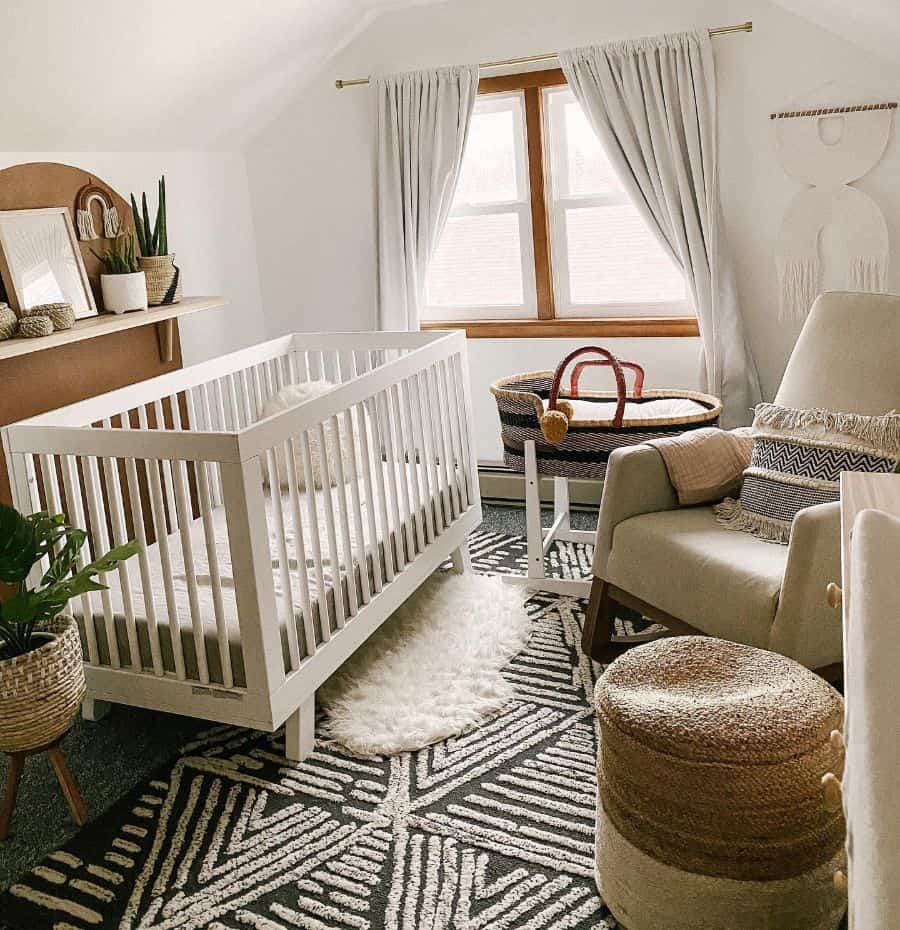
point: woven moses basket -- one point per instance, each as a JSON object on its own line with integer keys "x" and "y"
{"x": 711, "y": 813}
{"x": 575, "y": 431}
{"x": 41, "y": 691}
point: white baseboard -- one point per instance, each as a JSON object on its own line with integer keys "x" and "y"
{"x": 503, "y": 485}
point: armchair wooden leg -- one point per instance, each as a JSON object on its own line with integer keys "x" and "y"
{"x": 597, "y": 633}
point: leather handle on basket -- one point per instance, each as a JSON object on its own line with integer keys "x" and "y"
{"x": 631, "y": 366}
{"x": 609, "y": 359}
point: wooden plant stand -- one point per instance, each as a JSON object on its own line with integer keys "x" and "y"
{"x": 67, "y": 783}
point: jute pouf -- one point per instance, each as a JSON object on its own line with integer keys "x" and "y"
{"x": 711, "y": 812}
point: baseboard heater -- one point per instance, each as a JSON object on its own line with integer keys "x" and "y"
{"x": 501, "y": 485}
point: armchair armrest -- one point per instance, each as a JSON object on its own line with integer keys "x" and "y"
{"x": 636, "y": 482}
{"x": 805, "y": 627}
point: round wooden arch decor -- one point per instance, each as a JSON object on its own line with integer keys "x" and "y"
{"x": 50, "y": 184}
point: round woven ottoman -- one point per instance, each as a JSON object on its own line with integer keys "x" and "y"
{"x": 711, "y": 813}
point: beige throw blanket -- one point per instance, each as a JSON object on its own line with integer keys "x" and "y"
{"x": 706, "y": 464}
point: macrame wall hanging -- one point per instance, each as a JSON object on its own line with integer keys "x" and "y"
{"x": 830, "y": 201}
{"x": 87, "y": 196}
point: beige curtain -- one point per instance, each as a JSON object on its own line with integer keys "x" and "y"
{"x": 652, "y": 102}
{"x": 422, "y": 121}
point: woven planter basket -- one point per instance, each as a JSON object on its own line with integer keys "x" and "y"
{"x": 41, "y": 691}
{"x": 163, "y": 279}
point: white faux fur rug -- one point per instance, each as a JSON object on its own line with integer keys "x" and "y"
{"x": 432, "y": 671}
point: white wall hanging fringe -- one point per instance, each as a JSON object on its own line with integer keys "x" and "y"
{"x": 87, "y": 197}
{"x": 830, "y": 201}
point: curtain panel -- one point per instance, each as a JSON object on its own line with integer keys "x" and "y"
{"x": 652, "y": 103}
{"x": 422, "y": 119}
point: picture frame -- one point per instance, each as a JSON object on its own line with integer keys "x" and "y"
{"x": 41, "y": 261}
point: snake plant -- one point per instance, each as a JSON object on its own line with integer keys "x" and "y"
{"x": 153, "y": 240}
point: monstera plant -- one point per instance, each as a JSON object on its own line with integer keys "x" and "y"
{"x": 24, "y": 542}
{"x": 41, "y": 668}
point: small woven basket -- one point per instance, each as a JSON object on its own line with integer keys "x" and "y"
{"x": 41, "y": 691}
{"x": 163, "y": 279}
{"x": 61, "y": 315}
{"x": 8, "y": 322}
{"x": 34, "y": 326}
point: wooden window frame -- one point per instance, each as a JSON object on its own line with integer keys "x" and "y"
{"x": 547, "y": 324}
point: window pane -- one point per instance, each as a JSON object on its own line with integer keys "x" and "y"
{"x": 613, "y": 258}
{"x": 490, "y": 167}
{"x": 478, "y": 263}
{"x": 588, "y": 170}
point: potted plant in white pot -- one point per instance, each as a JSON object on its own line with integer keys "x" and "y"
{"x": 41, "y": 670}
{"x": 163, "y": 275}
{"x": 122, "y": 283}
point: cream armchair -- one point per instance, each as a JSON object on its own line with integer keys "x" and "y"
{"x": 678, "y": 566}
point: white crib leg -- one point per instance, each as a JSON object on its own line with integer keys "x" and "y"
{"x": 300, "y": 731}
{"x": 93, "y": 709}
{"x": 462, "y": 560}
{"x": 533, "y": 513}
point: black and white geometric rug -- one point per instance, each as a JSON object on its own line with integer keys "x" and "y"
{"x": 486, "y": 831}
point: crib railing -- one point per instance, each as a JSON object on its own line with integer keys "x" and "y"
{"x": 248, "y": 567}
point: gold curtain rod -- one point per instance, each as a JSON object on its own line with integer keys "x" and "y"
{"x": 829, "y": 111}
{"x": 549, "y": 56}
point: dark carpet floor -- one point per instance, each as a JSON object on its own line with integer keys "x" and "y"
{"x": 110, "y": 757}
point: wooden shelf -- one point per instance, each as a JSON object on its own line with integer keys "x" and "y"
{"x": 163, "y": 317}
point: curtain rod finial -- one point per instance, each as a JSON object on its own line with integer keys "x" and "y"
{"x": 339, "y": 84}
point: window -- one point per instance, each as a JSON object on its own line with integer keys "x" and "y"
{"x": 542, "y": 238}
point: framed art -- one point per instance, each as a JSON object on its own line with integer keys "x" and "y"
{"x": 40, "y": 260}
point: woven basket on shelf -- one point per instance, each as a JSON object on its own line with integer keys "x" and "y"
{"x": 41, "y": 691}
{"x": 163, "y": 279}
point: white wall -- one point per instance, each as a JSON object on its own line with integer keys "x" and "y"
{"x": 312, "y": 187}
{"x": 210, "y": 230}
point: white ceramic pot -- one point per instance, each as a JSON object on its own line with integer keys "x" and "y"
{"x": 124, "y": 292}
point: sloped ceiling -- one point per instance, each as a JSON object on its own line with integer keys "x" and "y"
{"x": 102, "y": 75}
{"x": 872, "y": 24}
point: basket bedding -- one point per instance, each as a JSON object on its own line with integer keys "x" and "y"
{"x": 201, "y": 568}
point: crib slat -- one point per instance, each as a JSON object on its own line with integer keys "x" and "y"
{"x": 457, "y": 465}
{"x": 291, "y": 458}
{"x": 347, "y": 553}
{"x": 358, "y": 527}
{"x": 328, "y": 506}
{"x": 234, "y": 405}
{"x": 284, "y": 565}
{"x": 190, "y": 572}
{"x": 428, "y": 494}
{"x": 394, "y": 531}
{"x": 75, "y": 515}
{"x": 467, "y": 463}
{"x": 157, "y": 508}
{"x": 207, "y": 415}
{"x": 440, "y": 453}
{"x": 33, "y": 506}
{"x": 314, "y": 538}
{"x": 412, "y": 465}
{"x": 51, "y": 485}
{"x": 402, "y": 469}
{"x": 167, "y": 471}
{"x": 366, "y": 460}
{"x": 110, "y": 468}
{"x": 137, "y": 519}
{"x": 446, "y": 454}
{"x": 183, "y": 507}
{"x": 100, "y": 546}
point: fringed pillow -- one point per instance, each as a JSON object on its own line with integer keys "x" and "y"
{"x": 797, "y": 460}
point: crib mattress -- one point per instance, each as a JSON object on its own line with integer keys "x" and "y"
{"x": 387, "y": 539}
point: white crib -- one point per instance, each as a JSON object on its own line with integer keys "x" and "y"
{"x": 249, "y": 591}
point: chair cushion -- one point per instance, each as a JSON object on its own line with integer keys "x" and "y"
{"x": 685, "y": 563}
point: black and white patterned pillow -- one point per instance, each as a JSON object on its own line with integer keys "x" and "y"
{"x": 797, "y": 460}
